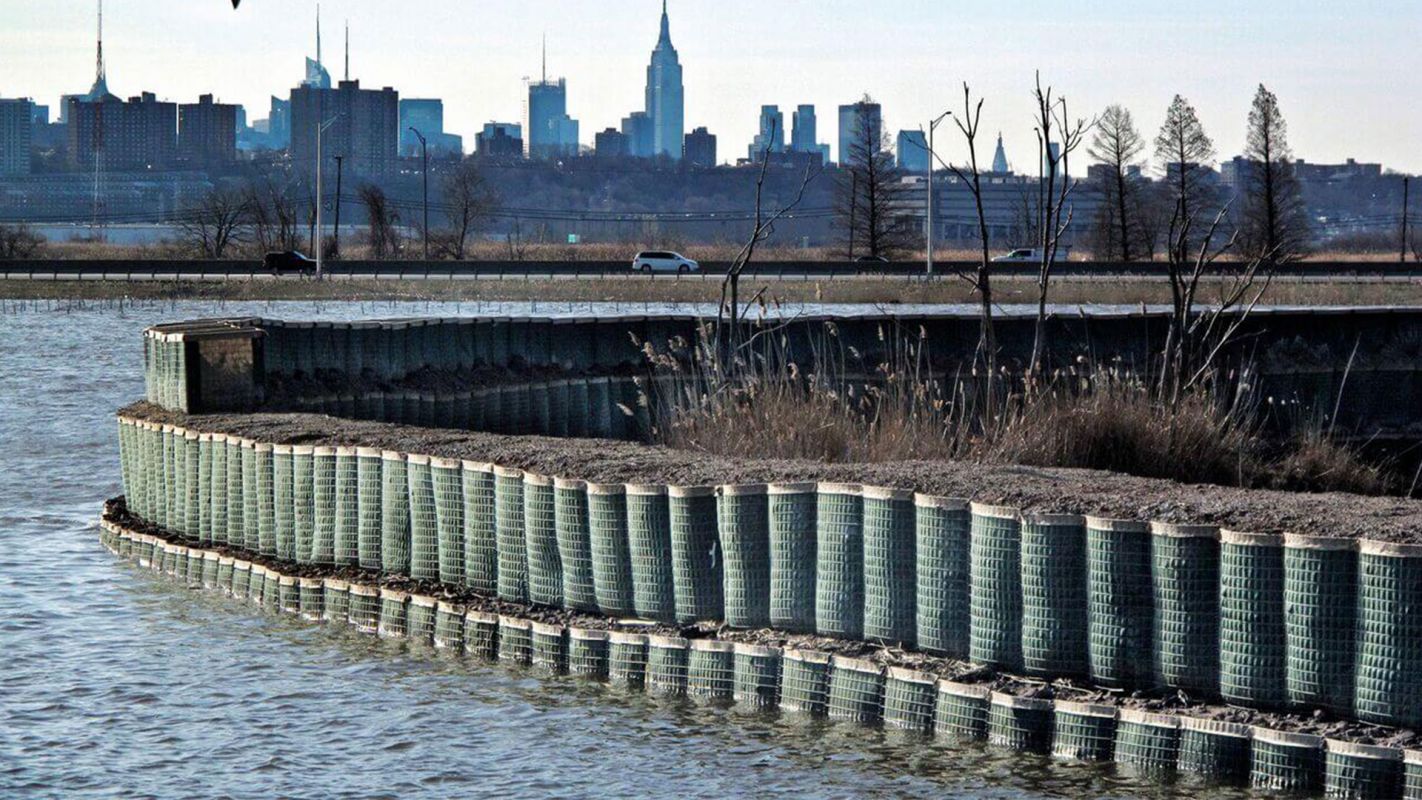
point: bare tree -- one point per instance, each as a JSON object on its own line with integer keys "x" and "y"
{"x": 1273, "y": 223}
{"x": 1116, "y": 146}
{"x": 18, "y": 242}
{"x": 1184, "y": 153}
{"x": 1055, "y": 208}
{"x": 273, "y": 217}
{"x": 381, "y": 220}
{"x": 468, "y": 203}
{"x": 871, "y": 195}
{"x": 215, "y": 222}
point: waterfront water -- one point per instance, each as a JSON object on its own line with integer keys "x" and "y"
{"x": 119, "y": 683}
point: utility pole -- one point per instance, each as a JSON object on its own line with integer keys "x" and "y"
{"x": 1405, "y": 185}
{"x": 932, "y": 126}
{"x": 320, "y": 201}
{"x": 425, "y": 171}
{"x": 336, "y": 237}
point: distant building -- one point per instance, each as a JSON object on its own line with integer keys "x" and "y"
{"x": 39, "y": 113}
{"x": 427, "y": 117}
{"x": 551, "y": 132}
{"x": 502, "y": 140}
{"x": 770, "y": 136}
{"x": 279, "y": 124}
{"x": 1348, "y": 170}
{"x": 804, "y": 136}
{"x": 999, "y": 159}
{"x": 641, "y": 138}
{"x": 913, "y": 152}
{"x": 665, "y": 96}
{"x": 365, "y": 126}
{"x": 316, "y": 75}
{"x": 17, "y": 123}
{"x": 1101, "y": 173}
{"x": 140, "y": 134}
{"x": 856, "y": 122}
{"x": 611, "y": 143}
{"x": 207, "y": 133}
{"x": 700, "y": 148}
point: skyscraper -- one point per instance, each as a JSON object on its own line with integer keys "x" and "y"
{"x": 426, "y": 115}
{"x": 700, "y": 148}
{"x": 316, "y": 75}
{"x": 999, "y": 158}
{"x": 665, "y": 98}
{"x": 771, "y": 135}
{"x": 551, "y": 132}
{"x": 802, "y": 138}
{"x": 640, "y": 134}
{"x": 207, "y": 133}
{"x": 859, "y": 124}
{"x": 16, "y": 125}
{"x": 913, "y": 151}
{"x": 365, "y": 126}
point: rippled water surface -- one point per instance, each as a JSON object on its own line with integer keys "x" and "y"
{"x": 116, "y": 682}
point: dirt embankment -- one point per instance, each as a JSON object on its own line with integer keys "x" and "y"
{"x": 1031, "y": 489}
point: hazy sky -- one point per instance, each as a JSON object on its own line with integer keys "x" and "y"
{"x": 1346, "y": 73}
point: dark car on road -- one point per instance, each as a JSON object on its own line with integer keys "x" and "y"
{"x": 288, "y": 262}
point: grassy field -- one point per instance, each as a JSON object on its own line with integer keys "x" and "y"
{"x": 637, "y": 289}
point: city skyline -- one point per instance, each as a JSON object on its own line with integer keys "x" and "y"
{"x": 803, "y": 54}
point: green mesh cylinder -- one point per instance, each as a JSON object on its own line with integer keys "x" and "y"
{"x": 394, "y": 614}
{"x": 448, "y": 482}
{"x": 1365, "y": 772}
{"x": 545, "y": 566}
{"x": 612, "y": 563}
{"x": 1252, "y": 618}
{"x": 346, "y": 531}
{"x": 251, "y": 498}
{"x": 167, "y": 477}
{"x": 481, "y": 635}
{"x": 558, "y": 408}
{"x": 791, "y": 508}
{"x": 743, "y": 526}
{"x": 856, "y": 690}
{"x": 449, "y": 627}
{"x": 1119, "y": 601}
{"x": 667, "y": 659}
{"x": 711, "y": 670}
{"x": 493, "y": 405}
{"x": 839, "y": 561}
{"x": 303, "y": 497}
{"x": 1320, "y": 621}
{"x": 995, "y": 588}
{"x": 194, "y": 506}
{"x": 1412, "y": 775}
{"x": 1054, "y": 604}
{"x": 288, "y": 594}
{"x": 890, "y": 579}
{"x": 804, "y": 682}
{"x": 1020, "y": 723}
{"x": 599, "y": 418}
{"x": 216, "y": 489}
{"x": 241, "y": 580}
{"x": 1147, "y": 742}
{"x": 1185, "y": 594}
{"x": 283, "y": 489}
{"x": 514, "y": 400}
{"x": 550, "y": 648}
{"x": 420, "y": 623}
{"x": 256, "y": 580}
{"x": 481, "y": 550}
{"x": 394, "y": 514}
{"x": 539, "y": 409}
{"x": 312, "y": 593}
{"x": 236, "y": 503}
{"x": 649, "y": 547}
{"x": 627, "y": 659}
{"x": 757, "y": 678}
{"x": 1388, "y": 688}
{"x": 909, "y": 698}
{"x": 1217, "y": 750}
{"x": 587, "y": 653}
{"x": 515, "y": 641}
{"x": 1286, "y": 762}
{"x": 323, "y": 495}
{"x": 509, "y": 534}
{"x": 424, "y": 519}
{"x": 365, "y": 608}
{"x": 224, "y": 571}
{"x": 198, "y": 487}
{"x": 941, "y": 528}
{"x": 336, "y": 600}
{"x": 369, "y": 515}
{"x": 696, "y": 554}
{"x": 570, "y": 522}
{"x": 580, "y": 412}
{"x": 1084, "y": 732}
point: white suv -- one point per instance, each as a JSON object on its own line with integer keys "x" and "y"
{"x": 650, "y": 261}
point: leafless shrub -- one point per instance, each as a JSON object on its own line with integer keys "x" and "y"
{"x": 19, "y": 241}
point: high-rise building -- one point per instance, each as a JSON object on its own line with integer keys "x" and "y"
{"x": 551, "y": 132}
{"x": 770, "y": 135}
{"x": 802, "y": 138}
{"x": 16, "y": 133}
{"x": 279, "y": 124}
{"x": 913, "y": 153}
{"x": 364, "y": 126}
{"x": 700, "y": 148}
{"x": 860, "y": 124}
{"x": 999, "y": 158}
{"x": 207, "y": 133}
{"x": 140, "y": 134}
{"x": 316, "y": 75}
{"x": 641, "y": 139}
{"x": 39, "y": 113}
{"x": 427, "y": 117}
{"x": 665, "y": 96}
{"x": 503, "y": 140}
{"x": 611, "y": 143}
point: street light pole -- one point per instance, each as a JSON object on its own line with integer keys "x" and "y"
{"x": 320, "y": 234}
{"x": 425, "y": 171}
{"x": 932, "y": 126}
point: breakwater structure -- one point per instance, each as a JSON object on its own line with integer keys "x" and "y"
{"x": 461, "y": 488}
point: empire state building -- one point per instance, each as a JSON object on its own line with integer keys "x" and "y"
{"x": 665, "y": 102}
